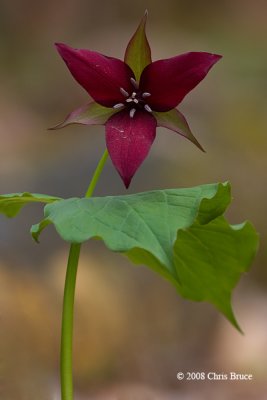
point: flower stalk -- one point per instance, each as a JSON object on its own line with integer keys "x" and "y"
{"x": 66, "y": 374}
{"x": 67, "y": 323}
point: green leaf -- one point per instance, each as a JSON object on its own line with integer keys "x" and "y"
{"x": 209, "y": 260}
{"x": 175, "y": 121}
{"x": 89, "y": 114}
{"x": 178, "y": 233}
{"x": 148, "y": 220}
{"x": 209, "y": 210}
{"x": 38, "y": 228}
{"x": 11, "y": 204}
{"x": 138, "y": 53}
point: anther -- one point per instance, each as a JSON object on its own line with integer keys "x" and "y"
{"x": 133, "y": 95}
{"x": 147, "y": 108}
{"x": 135, "y": 101}
{"x": 146, "y": 94}
{"x": 129, "y": 100}
{"x": 134, "y": 83}
{"x": 123, "y": 91}
{"x": 132, "y": 112}
{"x": 119, "y": 105}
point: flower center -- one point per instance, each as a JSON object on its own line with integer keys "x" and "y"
{"x": 135, "y": 101}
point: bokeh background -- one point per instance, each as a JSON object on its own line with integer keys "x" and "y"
{"x": 132, "y": 332}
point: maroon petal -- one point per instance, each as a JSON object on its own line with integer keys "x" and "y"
{"x": 101, "y": 76}
{"x": 170, "y": 80}
{"x": 129, "y": 141}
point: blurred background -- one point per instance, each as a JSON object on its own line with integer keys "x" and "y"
{"x": 132, "y": 331}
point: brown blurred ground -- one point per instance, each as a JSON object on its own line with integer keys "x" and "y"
{"x": 132, "y": 332}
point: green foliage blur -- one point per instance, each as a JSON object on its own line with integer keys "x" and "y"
{"x": 131, "y": 328}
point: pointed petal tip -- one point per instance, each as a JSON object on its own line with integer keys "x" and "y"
{"x": 129, "y": 141}
{"x": 217, "y": 56}
{"x": 61, "y": 48}
{"x": 170, "y": 80}
{"x": 214, "y": 58}
{"x": 126, "y": 181}
{"x": 99, "y": 75}
{"x": 59, "y": 45}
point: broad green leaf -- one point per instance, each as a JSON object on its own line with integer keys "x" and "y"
{"x": 175, "y": 121}
{"x": 178, "y": 233}
{"x": 221, "y": 200}
{"x": 11, "y": 204}
{"x": 209, "y": 260}
{"x": 89, "y": 114}
{"x": 138, "y": 53}
{"x": 148, "y": 221}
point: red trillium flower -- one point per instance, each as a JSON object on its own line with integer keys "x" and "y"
{"x": 134, "y": 96}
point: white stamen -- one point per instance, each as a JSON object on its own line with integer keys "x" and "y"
{"x": 135, "y": 101}
{"x": 119, "y": 105}
{"x": 132, "y": 112}
{"x": 133, "y": 95}
{"x": 146, "y": 94}
{"x": 134, "y": 83}
{"x": 126, "y": 94}
{"x": 129, "y": 100}
{"x": 147, "y": 108}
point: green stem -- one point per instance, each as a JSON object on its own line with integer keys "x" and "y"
{"x": 68, "y": 302}
{"x": 97, "y": 174}
{"x": 67, "y": 323}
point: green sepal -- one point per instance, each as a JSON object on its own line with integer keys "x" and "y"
{"x": 138, "y": 52}
{"x": 88, "y": 114}
{"x": 11, "y": 204}
{"x": 176, "y": 121}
